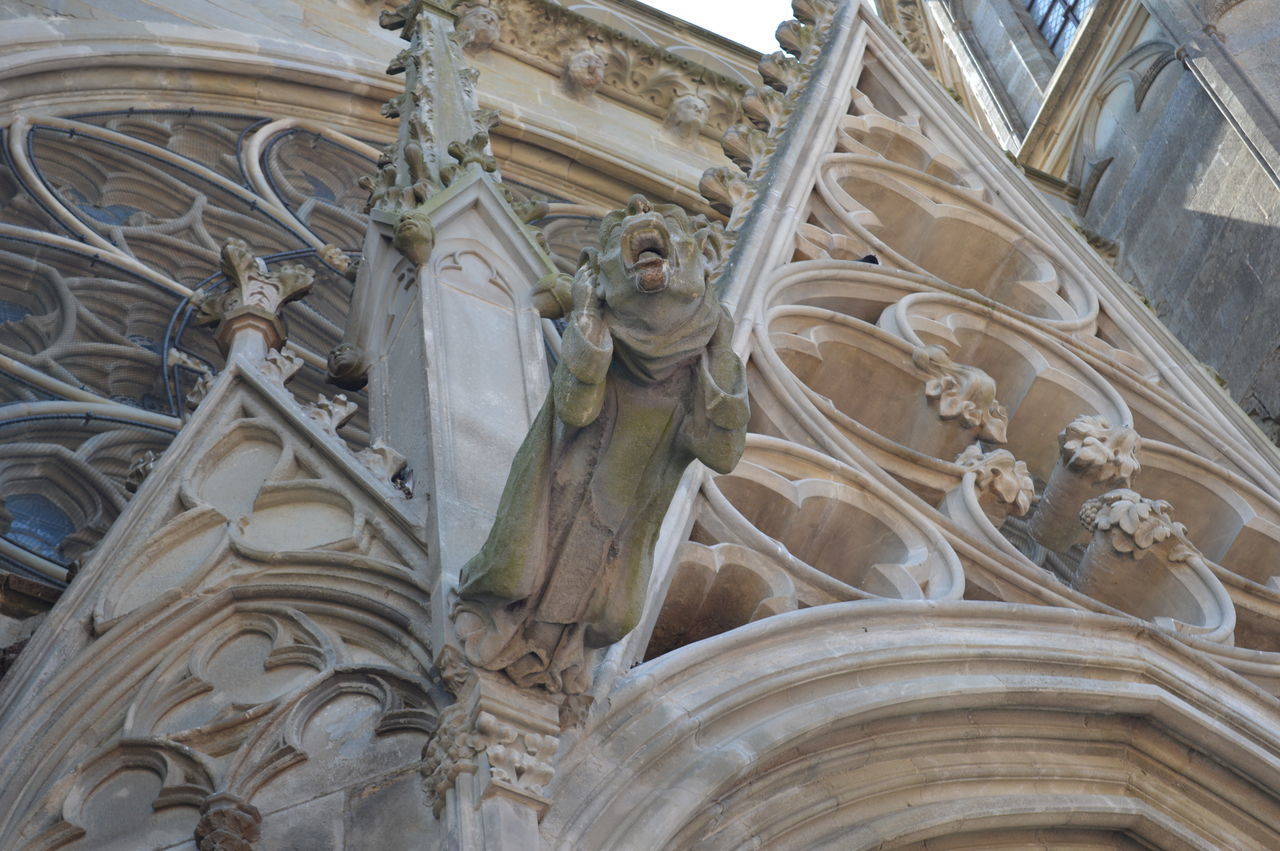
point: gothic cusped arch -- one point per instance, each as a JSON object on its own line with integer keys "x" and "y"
{"x": 706, "y": 746}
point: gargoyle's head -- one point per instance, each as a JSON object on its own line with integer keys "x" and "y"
{"x": 650, "y": 249}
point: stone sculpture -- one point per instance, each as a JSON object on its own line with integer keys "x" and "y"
{"x": 647, "y": 382}
{"x": 686, "y": 117}
{"x": 583, "y": 72}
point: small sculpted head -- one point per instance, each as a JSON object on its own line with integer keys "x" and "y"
{"x": 479, "y": 27}
{"x": 583, "y": 71}
{"x": 687, "y": 116}
{"x": 654, "y": 256}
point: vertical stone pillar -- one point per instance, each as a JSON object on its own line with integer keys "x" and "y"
{"x": 491, "y": 754}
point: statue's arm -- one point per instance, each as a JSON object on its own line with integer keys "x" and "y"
{"x": 586, "y": 351}
{"x": 718, "y": 427}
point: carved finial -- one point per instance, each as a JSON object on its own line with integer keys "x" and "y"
{"x": 1003, "y": 483}
{"x": 228, "y": 823}
{"x": 962, "y": 392}
{"x": 1109, "y": 456}
{"x": 1135, "y": 524}
{"x": 248, "y": 313}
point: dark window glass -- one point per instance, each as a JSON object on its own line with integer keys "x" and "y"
{"x": 1058, "y": 20}
{"x": 38, "y": 524}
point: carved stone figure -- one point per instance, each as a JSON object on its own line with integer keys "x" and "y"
{"x": 686, "y": 117}
{"x": 478, "y": 27}
{"x": 646, "y": 383}
{"x": 583, "y": 72}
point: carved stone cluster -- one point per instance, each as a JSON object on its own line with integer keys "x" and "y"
{"x": 228, "y": 823}
{"x": 751, "y": 143}
{"x": 1135, "y": 524}
{"x": 999, "y": 477}
{"x": 962, "y": 392}
{"x": 519, "y": 760}
{"x": 1090, "y": 446}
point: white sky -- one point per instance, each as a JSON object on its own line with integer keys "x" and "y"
{"x": 749, "y": 22}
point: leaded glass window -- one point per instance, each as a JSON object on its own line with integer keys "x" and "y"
{"x": 1058, "y": 20}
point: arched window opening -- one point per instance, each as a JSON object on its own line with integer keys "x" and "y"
{"x": 38, "y": 524}
{"x": 1058, "y": 20}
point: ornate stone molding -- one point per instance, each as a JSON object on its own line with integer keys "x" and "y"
{"x": 545, "y": 34}
{"x": 751, "y": 144}
{"x": 962, "y": 392}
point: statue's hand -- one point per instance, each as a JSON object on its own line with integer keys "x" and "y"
{"x": 587, "y": 302}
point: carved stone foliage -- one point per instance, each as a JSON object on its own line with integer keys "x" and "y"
{"x": 1134, "y": 523}
{"x": 644, "y": 75}
{"x": 1003, "y": 482}
{"x": 962, "y": 392}
{"x": 1091, "y": 447}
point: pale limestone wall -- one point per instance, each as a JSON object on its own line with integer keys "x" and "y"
{"x": 866, "y": 634}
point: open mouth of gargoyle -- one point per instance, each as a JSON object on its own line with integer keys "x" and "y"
{"x": 646, "y": 248}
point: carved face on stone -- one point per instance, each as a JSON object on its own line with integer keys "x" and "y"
{"x": 479, "y": 28}
{"x": 584, "y": 71}
{"x": 688, "y": 114}
{"x": 653, "y": 262}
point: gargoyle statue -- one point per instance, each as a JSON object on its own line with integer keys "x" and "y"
{"x": 647, "y": 382}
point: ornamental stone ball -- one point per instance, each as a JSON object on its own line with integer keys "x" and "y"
{"x": 647, "y": 382}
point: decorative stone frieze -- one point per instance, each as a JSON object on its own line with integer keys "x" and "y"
{"x": 1003, "y": 483}
{"x": 543, "y": 33}
{"x": 1093, "y": 458}
{"x": 961, "y": 392}
{"x": 250, "y": 310}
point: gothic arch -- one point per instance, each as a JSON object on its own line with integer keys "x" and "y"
{"x": 830, "y": 735}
